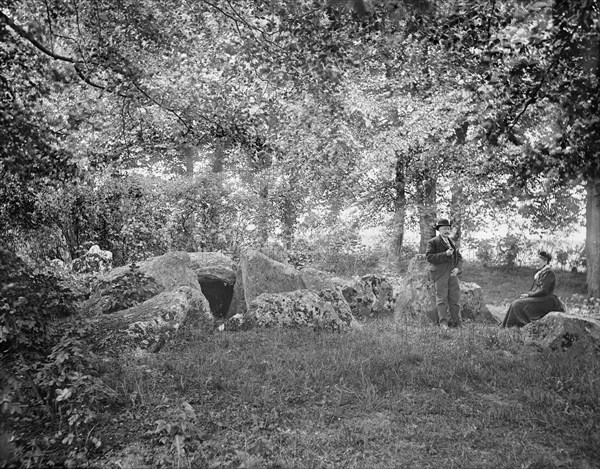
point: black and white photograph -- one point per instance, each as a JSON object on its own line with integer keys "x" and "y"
{"x": 300, "y": 234}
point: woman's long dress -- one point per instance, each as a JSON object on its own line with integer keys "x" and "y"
{"x": 541, "y": 301}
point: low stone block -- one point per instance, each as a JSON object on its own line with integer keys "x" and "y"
{"x": 560, "y": 331}
{"x": 324, "y": 310}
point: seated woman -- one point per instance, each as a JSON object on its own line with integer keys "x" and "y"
{"x": 539, "y": 301}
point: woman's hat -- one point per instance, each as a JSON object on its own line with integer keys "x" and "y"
{"x": 442, "y": 222}
{"x": 545, "y": 255}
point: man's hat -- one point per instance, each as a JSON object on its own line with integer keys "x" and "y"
{"x": 442, "y": 222}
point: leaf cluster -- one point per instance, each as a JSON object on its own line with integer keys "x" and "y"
{"x": 61, "y": 390}
{"x": 178, "y": 433}
{"x": 29, "y": 301}
{"x": 47, "y": 369}
{"x": 29, "y": 155}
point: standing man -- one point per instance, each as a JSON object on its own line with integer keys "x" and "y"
{"x": 445, "y": 264}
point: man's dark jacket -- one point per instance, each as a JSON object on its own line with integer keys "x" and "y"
{"x": 439, "y": 262}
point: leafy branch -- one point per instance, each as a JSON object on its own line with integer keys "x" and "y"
{"x": 78, "y": 67}
{"x": 558, "y": 56}
{"x": 29, "y": 37}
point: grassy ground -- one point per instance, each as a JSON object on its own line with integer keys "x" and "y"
{"x": 387, "y": 396}
{"x": 397, "y": 395}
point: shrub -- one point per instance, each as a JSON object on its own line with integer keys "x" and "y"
{"x": 485, "y": 253}
{"x": 562, "y": 257}
{"x": 28, "y": 301}
{"x": 339, "y": 251}
{"x": 130, "y": 217}
{"x": 508, "y": 250}
{"x": 61, "y": 390}
{"x": 300, "y": 255}
{"x": 200, "y": 216}
{"x": 47, "y": 370}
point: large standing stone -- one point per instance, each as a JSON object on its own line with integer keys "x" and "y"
{"x": 559, "y": 331}
{"x": 163, "y": 313}
{"x": 213, "y": 266}
{"x": 171, "y": 270}
{"x": 238, "y": 300}
{"x": 176, "y": 306}
{"x": 216, "y": 275}
{"x": 274, "y": 251}
{"x": 162, "y": 273}
{"x": 323, "y": 310}
{"x": 258, "y": 274}
{"x": 369, "y": 297}
{"x": 417, "y": 298}
{"x": 316, "y": 279}
{"x": 472, "y": 304}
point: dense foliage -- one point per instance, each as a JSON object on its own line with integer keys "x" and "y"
{"x": 304, "y": 104}
{"x": 47, "y": 370}
{"x": 28, "y": 302}
{"x": 156, "y": 125}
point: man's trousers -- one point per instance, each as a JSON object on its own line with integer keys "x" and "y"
{"x": 447, "y": 296}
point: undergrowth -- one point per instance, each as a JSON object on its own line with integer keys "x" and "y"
{"x": 386, "y": 395}
{"x": 51, "y": 389}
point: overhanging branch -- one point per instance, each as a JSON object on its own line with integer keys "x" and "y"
{"x": 50, "y": 53}
{"x": 533, "y": 94}
{"x": 80, "y": 66}
{"x": 30, "y": 38}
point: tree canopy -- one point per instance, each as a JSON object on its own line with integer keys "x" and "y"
{"x": 297, "y": 107}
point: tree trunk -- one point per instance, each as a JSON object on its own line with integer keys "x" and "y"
{"x": 263, "y": 215}
{"x": 217, "y": 162}
{"x": 70, "y": 236}
{"x": 426, "y": 205}
{"x": 399, "y": 205}
{"x": 288, "y": 218}
{"x": 189, "y": 156}
{"x": 189, "y": 226}
{"x": 592, "y": 241}
{"x": 457, "y": 201}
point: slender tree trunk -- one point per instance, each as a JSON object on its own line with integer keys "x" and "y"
{"x": 189, "y": 155}
{"x": 289, "y": 222}
{"x": 189, "y": 223}
{"x": 335, "y": 208}
{"x": 427, "y": 208}
{"x": 399, "y": 205}
{"x": 217, "y": 162}
{"x": 592, "y": 241}
{"x": 263, "y": 216}
{"x": 70, "y": 236}
{"x": 457, "y": 201}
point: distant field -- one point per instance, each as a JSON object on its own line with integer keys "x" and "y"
{"x": 501, "y": 284}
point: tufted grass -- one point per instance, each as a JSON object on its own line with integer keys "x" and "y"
{"x": 388, "y": 395}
